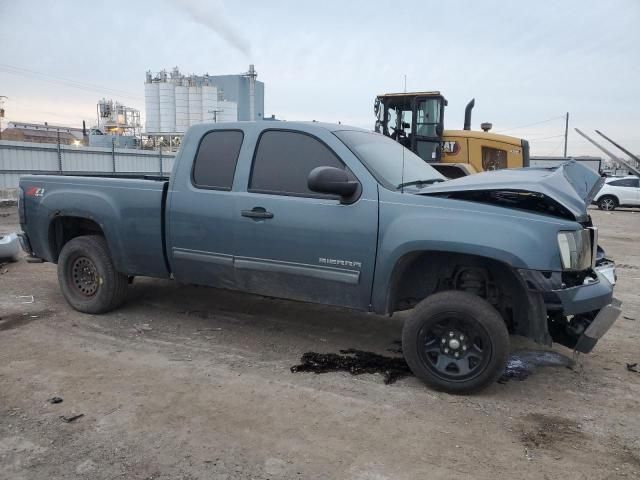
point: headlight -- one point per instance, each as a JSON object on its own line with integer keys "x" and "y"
{"x": 575, "y": 249}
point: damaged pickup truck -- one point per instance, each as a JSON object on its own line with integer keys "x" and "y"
{"x": 337, "y": 215}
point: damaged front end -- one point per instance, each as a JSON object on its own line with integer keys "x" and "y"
{"x": 578, "y": 295}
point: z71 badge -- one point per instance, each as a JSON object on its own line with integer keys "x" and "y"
{"x": 34, "y": 192}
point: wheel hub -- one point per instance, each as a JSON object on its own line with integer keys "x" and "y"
{"x": 454, "y": 344}
{"x": 84, "y": 276}
{"x": 455, "y": 348}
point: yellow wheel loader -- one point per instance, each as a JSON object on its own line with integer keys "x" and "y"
{"x": 416, "y": 120}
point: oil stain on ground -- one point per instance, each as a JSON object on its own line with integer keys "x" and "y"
{"x": 15, "y": 320}
{"x": 544, "y": 431}
{"x": 356, "y": 362}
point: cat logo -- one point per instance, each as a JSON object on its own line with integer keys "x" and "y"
{"x": 450, "y": 148}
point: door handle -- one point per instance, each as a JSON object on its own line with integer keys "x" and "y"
{"x": 256, "y": 212}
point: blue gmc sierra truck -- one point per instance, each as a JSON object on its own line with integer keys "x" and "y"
{"x": 337, "y": 215}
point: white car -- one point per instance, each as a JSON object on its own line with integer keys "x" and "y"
{"x": 619, "y": 192}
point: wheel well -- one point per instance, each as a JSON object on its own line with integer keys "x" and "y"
{"x": 420, "y": 274}
{"x": 610, "y": 195}
{"x": 63, "y": 229}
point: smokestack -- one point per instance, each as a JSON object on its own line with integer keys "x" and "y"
{"x": 252, "y": 74}
{"x": 467, "y": 114}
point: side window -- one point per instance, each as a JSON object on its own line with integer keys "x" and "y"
{"x": 283, "y": 161}
{"x": 626, "y": 182}
{"x": 493, "y": 158}
{"x": 215, "y": 162}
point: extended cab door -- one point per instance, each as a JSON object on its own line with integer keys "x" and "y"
{"x": 202, "y": 209}
{"x": 295, "y": 243}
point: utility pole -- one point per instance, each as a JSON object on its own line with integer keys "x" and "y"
{"x": 215, "y": 114}
{"x": 566, "y": 134}
{"x": 2, "y": 99}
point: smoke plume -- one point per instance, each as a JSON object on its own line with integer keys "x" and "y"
{"x": 212, "y": 15}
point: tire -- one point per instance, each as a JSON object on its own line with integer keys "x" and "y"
{"x": 608, "y": 203}
{"x": 87, "y": 276}
{"x": 480, "y": 338}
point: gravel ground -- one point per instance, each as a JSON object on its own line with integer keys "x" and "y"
{"x": 195, "y": 383}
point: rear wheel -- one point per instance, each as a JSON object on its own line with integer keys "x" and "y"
{"x": 87, "y": 276}
{"x": 456, "y": 342}
{"x": 607, "y": 203}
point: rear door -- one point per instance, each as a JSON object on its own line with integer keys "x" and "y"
{"x": 202, "y": 210}
{"x": 295, "y": 243}
{"x": 627, "y": 190}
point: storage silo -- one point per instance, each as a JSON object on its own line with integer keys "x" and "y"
{"x": 152, "y": 106}
{"x": 182, "y": 108}
{"x": 195, "y": 104}
{"x": 167, "y": 107}
{"x": 228, "y": 111}
{"x": 209, "y": 103}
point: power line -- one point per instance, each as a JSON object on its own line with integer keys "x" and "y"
{"x": 25, "y": 72}
{"x": 545, "y": 138}
{"x": 557, "y": 146}
{"x": 531, "y": 124}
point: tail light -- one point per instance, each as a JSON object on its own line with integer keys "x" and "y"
{"x": 21, "y": 209}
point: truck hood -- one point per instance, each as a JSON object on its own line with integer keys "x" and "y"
{"x": 564, "y": 191}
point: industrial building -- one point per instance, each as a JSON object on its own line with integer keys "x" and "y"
{"x": 174, "y": 102}
{"x": 118, "y": 125}
{"x": 42, "y": 133}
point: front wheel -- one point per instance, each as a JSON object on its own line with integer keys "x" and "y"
{"x": 456, "y": 342}
{"x": 87, "y": 276}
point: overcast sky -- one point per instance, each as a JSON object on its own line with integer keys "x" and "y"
{"x": 524, "y": 61}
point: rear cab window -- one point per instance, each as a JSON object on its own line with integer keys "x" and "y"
{"x": 215, "y": 163}
{"x": 283, "y": 160}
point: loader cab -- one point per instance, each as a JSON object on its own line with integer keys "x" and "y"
{"x": 416, "y": 120}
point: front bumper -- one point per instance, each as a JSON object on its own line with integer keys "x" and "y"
{"x": 577, "y": 316}
{"x": 600, "y": 325}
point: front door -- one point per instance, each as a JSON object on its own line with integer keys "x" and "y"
{"x": 295, "y": 243}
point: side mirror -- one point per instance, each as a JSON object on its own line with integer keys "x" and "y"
{"x": 331, "y": 180}
{"x": 439, "y": 130}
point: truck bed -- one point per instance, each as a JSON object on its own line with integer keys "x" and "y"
{"x": 130, "y": 212}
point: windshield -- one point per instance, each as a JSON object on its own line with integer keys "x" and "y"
{"x": 384, "y": 158}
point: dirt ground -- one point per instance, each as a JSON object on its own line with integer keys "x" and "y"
{"x": 195, "y": 383}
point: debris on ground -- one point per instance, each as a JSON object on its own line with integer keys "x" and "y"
{"x": 356, "y": 362}
{"x": 633, "y": 367}
{"x": 71, "y": 418}
{"x": 522, "y": 364}
{"x": 29, "y": 298}
{"x": 629, "y": 318}
{"x": 180, "y": 358}
{"x": 55, "y": 400}
{"x": 396, "y": 348}
{"x": 142, "y": 327}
